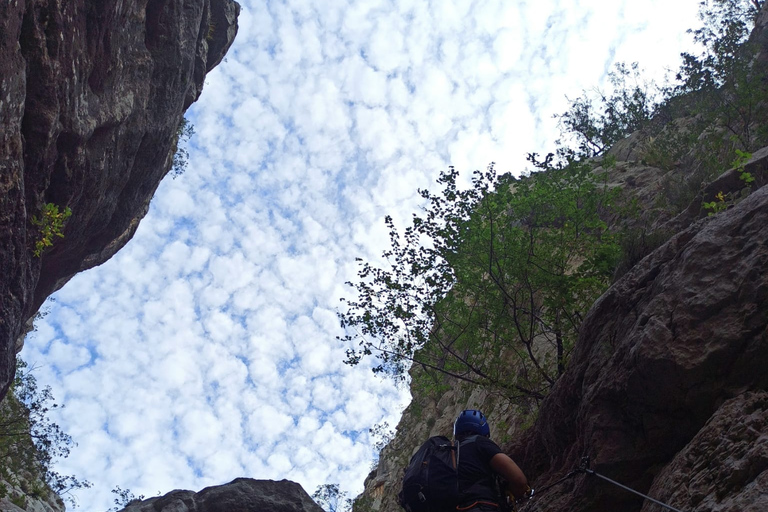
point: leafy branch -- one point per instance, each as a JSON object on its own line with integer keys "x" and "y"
{"x": 490, "y": 284}
{"x": 50, "y": 224}
{"x": 30, "y": 441}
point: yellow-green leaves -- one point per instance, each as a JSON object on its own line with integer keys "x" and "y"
{"x": 50, "y": 224}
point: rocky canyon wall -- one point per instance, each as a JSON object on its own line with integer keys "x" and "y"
{"x": 92, "y": 96}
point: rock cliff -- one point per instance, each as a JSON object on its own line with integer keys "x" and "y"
{"x": 240, "y": 495}
{"x": 667, "y": 390}
{"x": 21, "y": 498}
{"x": 669, "y": 373}
{"x": 92, "y": 97}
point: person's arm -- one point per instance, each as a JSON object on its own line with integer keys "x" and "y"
{"x": 511, "y": 472}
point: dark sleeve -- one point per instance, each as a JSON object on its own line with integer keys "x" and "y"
{"x": 487, "y": 449}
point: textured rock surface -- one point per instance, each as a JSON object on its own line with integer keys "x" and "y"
{"x": 240, "y": 495}
{"x": 20, "y": 491}
{"x": 725, "y": 467}
{"x": 32, "y": 505}
{"x": 92, "y": 95}
{"x": 684, "y": 331}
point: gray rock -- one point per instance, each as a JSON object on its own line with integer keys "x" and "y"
{"x": 92, "y": 96}
{"x": 240, "y": 495}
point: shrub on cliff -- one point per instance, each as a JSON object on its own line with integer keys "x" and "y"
{"x": 599, "y": 118}
{"x": 30, "y": 441}
{"x": 716, "y": 105}
{"x": 180, "y": 154}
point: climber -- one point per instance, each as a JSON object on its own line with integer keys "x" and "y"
{"x": 480, "y": 461}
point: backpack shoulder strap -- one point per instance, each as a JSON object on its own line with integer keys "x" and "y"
{"x": 471, "y": 439}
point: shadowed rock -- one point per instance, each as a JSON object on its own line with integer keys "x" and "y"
{"x": 92, "y": 97}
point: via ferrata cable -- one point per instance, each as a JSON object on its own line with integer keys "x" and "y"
{"x": 584, "y": 468}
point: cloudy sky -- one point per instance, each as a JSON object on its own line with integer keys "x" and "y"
{"x": 206, "y": 349}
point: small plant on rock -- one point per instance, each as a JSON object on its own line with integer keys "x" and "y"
{"x": 331, "y": 498}
{"x": 180, "y": 155}
{"x": 125, "y": 497}
{"x": 50, "y": 224}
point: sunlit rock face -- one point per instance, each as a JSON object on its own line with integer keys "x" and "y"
{"x": 240, "y": 495}
{"x": 92, "y": 96}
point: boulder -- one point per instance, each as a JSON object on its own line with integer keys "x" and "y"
{"x": 240, "y": 495}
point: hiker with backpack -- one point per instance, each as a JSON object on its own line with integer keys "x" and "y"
{"x": 480, "y": 462}
{"x": 461, "y": 476}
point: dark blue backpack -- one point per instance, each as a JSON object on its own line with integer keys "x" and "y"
{"x": 431, "y": 482}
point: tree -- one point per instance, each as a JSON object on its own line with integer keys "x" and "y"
{"x": 382, "y": 435}
{"x": 731, "y": 90}
{"x": 125, "y": 497}
{"x": 695, "y": 125}
{"x": 331, "y": 498}
{"x": 30, "y": 441}
{"x": 491, "y": 284}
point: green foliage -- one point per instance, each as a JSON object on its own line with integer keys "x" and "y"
{"x": 723, "y": 201}
{"x": 180, "y": 155}
{"x": 362, "y": 504}
{"x": 716, "y": 106}
{"x": 381, "y": 435}
{"x": 494, "y": 277}
{"x": 635, "y": 245}
{"x": 720, "y": 204}
{"x": 331, "y": 498}
{"x": 598, "y": 119}
{"x": 29, "y": 441}
{"x": 740, "y": 163}
{"x": 608, "y": 161}
{"x": 19, "y": 500}
{"x": 723, "y": 95}
{"x": 50, "y": 224}
{"x": 124, "y": 498}
{"x": 726, "y": 25}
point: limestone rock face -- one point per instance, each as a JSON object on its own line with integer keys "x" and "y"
{"x": 668, "y": 373}
{"x": 240, "y": 495}
{"x": 92, "y": 96}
